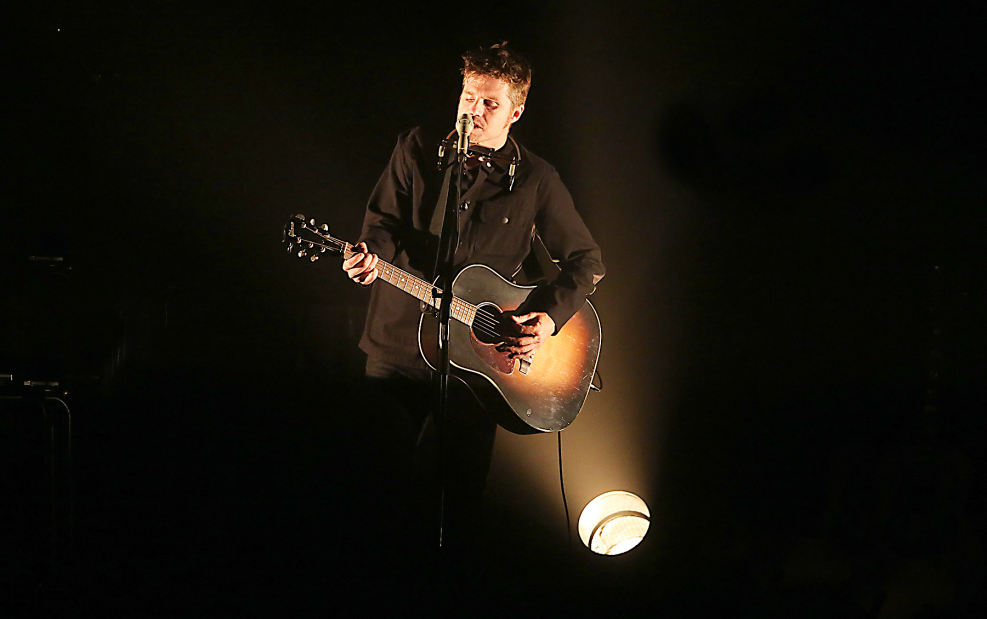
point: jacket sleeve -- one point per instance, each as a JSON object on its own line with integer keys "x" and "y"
{"x": 390, "y": 201}
{"x": 569, "y": 241}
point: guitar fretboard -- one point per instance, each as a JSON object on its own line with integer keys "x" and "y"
{"x": 419, "y": 288}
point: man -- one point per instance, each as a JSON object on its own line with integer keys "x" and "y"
{"x": 498, "y": 218}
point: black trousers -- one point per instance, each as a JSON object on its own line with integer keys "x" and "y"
{"x": 430, "y": 488}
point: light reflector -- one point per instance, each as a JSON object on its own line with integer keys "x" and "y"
{"x": 614, "y": 522}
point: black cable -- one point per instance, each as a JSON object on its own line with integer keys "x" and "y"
{"x": 565, "y": 504}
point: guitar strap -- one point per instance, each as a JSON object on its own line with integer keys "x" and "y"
{"x": 438, "y": 215}
{"x": 438, "y": 218}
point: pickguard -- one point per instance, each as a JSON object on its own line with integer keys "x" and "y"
{"x": 488, "y": 353}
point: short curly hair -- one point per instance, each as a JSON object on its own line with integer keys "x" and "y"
{"x": 503, "y": 63}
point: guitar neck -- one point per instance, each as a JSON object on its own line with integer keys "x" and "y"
{"x": 419, "y": 288}
{"x": 308, "y": 237}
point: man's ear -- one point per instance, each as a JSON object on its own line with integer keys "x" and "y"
{"x": 517, "y": 113}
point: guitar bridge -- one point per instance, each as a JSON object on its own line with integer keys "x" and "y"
{"x": 524, "y": 365}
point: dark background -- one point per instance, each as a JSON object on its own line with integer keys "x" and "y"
{"x": 789, "y": 200}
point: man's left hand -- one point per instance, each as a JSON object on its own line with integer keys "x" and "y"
{"x": 534, "y": 328}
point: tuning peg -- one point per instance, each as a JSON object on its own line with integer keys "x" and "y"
{"x": 301, "y": 254}
{"x": 324, "y": 228}
{"x": 314, "y": 258}
{"x": 311, "y": 222}
{"x": 291, "y": 247}
{"x": 300, "y": 216}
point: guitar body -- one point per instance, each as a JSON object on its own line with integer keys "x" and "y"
{"x": 545, "y": 395}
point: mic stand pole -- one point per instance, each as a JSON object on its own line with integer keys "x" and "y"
{"x": 448, "y": 244}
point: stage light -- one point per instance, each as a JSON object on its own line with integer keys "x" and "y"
{"x": 614, "y": 522}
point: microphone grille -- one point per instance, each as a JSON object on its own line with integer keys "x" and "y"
{"x": 464, "y": 125}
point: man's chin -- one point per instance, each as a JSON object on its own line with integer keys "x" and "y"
{"x": 482, "y": 140}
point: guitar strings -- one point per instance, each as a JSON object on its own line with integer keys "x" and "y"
{"x": 486, "y": 324}
{"x": 486, "y": 318}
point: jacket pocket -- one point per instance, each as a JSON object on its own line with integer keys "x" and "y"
{"x": 501, "y": 229}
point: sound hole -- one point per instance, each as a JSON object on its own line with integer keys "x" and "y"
{"x": 487, "y": 324}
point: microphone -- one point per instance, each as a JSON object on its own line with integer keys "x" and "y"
{"x": 464, "y": 126}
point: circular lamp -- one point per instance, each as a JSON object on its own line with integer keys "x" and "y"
{"x": 614, "y": 522}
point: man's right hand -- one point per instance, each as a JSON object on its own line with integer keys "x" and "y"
{"x": 361, "y": 266}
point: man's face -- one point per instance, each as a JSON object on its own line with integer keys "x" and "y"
{"x": 485, "y": 99}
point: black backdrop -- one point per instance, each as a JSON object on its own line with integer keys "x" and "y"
{"x": 789, "y": 201}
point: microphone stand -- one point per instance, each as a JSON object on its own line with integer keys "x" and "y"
{"x": 448, "y": 243}
{"x": 445, "y": 258}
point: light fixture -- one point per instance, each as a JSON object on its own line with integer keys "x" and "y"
{"x": 614, "y": 522}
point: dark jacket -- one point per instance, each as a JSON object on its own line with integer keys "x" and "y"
{"x": 496, "y": 226}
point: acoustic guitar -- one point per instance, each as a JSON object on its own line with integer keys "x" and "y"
{"x": 542, "y": 393}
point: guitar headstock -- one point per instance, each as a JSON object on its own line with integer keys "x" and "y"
{"x": 307, "y": 239}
